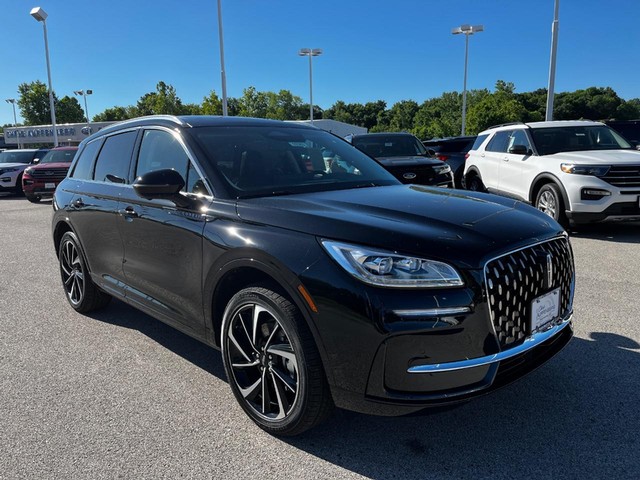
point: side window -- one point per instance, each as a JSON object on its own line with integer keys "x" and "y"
{"x": 519, "y": 137}
{"x": 479, "y": 141}
{"x": 114, "y": 158}
{"x": 194, "y": 183}
{"x": 161, "y": 150}
{"x": 82, "y": 170}
{"x": 499, "y": 142}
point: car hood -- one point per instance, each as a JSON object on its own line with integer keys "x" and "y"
{"x": 463, "y": 229}
{"x": 12, "y": 165}
{"x": 599, "y": 157}
{"x": 408, "y": 161}
{"x": 44, "y": 166}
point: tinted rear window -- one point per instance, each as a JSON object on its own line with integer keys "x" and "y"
{"x": 115, "y": 157}
{"x": 456, "y": 146}
{"x": 479, "y": 140}
{"x": 82, "y": 170}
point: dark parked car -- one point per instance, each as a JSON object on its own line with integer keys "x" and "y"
{"x": 39, "y": 181}
{"x": 321, "y": 289}
{"x": 452, "y": 150}
{"x": 405, "y": 157}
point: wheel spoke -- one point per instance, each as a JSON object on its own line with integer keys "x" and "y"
{"x": 68, "y": 280}
{"x": 284, "y": 351}
{"x": 285, "y": 379}
{"x": 246, "y": 332}
{"x": 266, "y": 397}
{"x": 252, "y": 390}
{"x": 65, "y": 269}
{"x": 283, "y": 403}
{"x": 237, "y": 345}
{"x": 257, "y": 310}
{"x": 268, "y": 342}
{"x": 72, "y": 293}
{"x": 79, "y": 288}
{"x": 255, "y": 363}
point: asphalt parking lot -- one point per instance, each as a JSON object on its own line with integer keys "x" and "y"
{"x": 120, "y": 395}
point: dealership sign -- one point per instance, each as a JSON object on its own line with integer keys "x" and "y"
{"x": 67, "y": 133}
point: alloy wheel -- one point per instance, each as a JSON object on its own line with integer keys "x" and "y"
{"x": 547, "y": 204}
{"x": 72, "y": 272}
{"x": 263, "y": 362}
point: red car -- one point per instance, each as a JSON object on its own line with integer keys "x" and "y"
{"x": 40, "y": 181}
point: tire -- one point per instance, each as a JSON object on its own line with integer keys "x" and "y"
{"x": 82, "y": 294}
{"x": 474, "y": 183}
{"x": 549, "y": 201}
{"x": 273, "y": 364}
{"x": 18, "y": 188}
{"x": 33, "y": 198}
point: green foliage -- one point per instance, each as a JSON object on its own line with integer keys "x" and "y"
{"x": 501, "y": 106}
{"x": 68, "y": 110}
{"x": 212, "y": 105}
{"x": 116, "y": 114}
{"x": 34, "y": 103}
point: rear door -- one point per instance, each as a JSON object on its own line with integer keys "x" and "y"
{"x": 491, "y": 158}
{"x": 512, "y": 180}
{"x": 163, "y": 242}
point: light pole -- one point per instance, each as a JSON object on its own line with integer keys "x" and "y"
{"x": 41, "y": 16}
{"x": 310, "y": 52}
{"x": 84, "y": 94}
{"x": 467, "y": 30}
{"x": 552, "y": 62}
{"x": 12, "y": 101}
{"x": 222, "y": 72}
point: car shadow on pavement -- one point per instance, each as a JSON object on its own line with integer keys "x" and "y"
{"x": 611, "y": 232}
{"x": 576, "y": 417}
{"x": 122, "y": 315}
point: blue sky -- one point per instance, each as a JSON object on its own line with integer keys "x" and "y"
{"x": 373, "y": 49}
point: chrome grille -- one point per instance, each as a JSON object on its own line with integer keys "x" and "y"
{"x": 514, "y": 280}
{"x": 623, "y": 176}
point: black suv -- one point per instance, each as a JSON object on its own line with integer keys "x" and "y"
{"x": 452, "y": 150}
{"x": 321, "y": 288}
{"x": 404, "y": 156}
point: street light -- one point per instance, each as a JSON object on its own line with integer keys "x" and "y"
{"x": 84, "y": 94}
{"x": 41, "y": 16}
{"x": 552, "y": 62}
{"x": 466, "y": 30}
{"x": 222, "y": 72}
{"x": 12, "y": 101}
{"x": 310, "y": 52}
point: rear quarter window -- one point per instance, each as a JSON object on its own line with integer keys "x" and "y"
{"x": 114, "y": 159}
{"x": 479, "y": 141}
{"x": 83, "y": 167}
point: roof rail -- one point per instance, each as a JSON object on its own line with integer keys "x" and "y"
{"x": 505, "y": 125}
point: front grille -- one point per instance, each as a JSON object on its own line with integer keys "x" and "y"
{"x": 514, "y": 280}
{"x": 49, "y": 173}
{"x": 623, "y": 176}
{"x": 424, "y": 174}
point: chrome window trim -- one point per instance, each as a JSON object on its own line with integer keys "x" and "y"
{"x": 529, "y": 343}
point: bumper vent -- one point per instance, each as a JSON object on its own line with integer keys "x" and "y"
{"x": 514, "y": 280}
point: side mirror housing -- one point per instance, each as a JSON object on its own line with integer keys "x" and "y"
{"x": 161, "y": 184}
{"x": 35, "y": 161}
{"x": 519, "y": 150}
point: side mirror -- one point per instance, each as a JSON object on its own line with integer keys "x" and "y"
{"x": 35, "y": 161}
{"x": 161, "y": 184}
{"x": 519, "y": 150}
{"x": 431, "y": 152}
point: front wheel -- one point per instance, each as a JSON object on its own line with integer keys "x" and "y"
{"x": 272, "y": 363}
{"x": 549, "y": 201}
{"x": 33, "y": 198}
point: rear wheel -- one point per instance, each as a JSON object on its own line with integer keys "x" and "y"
{"x": 18, "y": 188}
{"x": 33, "y": 198}
{"x": 82, "y": 294}
{"x": 272, "y": 362}
{"x": 474, "y": 183}
{"x": 549, "y": 200}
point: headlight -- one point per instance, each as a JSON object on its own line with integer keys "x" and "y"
{"x": 440, "y": 169}
{"x": 388, "y": 269}
{"x": 29, "y": 171}
{"x": 596, "y": 170}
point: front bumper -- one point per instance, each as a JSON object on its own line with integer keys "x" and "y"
{"x": 39, "y": 188}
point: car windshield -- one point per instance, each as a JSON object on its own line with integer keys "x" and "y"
{"x": 275, "y": 160}
{"x": 9, "y": 156}
{"x": 58, "y": 156}
{"x": 379, "y": 146}
{"x": 570, "y": 139}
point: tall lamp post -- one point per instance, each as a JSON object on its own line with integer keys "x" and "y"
{"x": 41, "y": 16}
{"x": 222, "y": 72}
{"x": 552, "y": 62}
{"x": 84, "y": 94}
{"x": 310, "y": 52}
{"x": 466, "y": 30}
{"x": 12, "y": 101}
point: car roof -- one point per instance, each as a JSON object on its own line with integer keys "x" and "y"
{"x": 383, "y": 134}
{"x": 188, "y": 121}
{"x": 549, "y": 124}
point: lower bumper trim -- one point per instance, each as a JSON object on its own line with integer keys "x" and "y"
{"x": 530, "y": 342}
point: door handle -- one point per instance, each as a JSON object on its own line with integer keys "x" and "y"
{"x": 505, "y": 159}
{"x": 128, "y": 212}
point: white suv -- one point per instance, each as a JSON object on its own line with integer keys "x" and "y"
{"x": 575, "y": 171}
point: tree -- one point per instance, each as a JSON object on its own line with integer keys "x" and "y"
{"x": 34, "y": 103}
{"x": 593, "y": 103}
{"x": 502, "y": 106}
{"x": 253, "y": 103}
{"x": 211, "y": 104}
{"x": 163, "y": 101}
{"x": 116, "y": 114}
{"x": 68, "y": 110}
